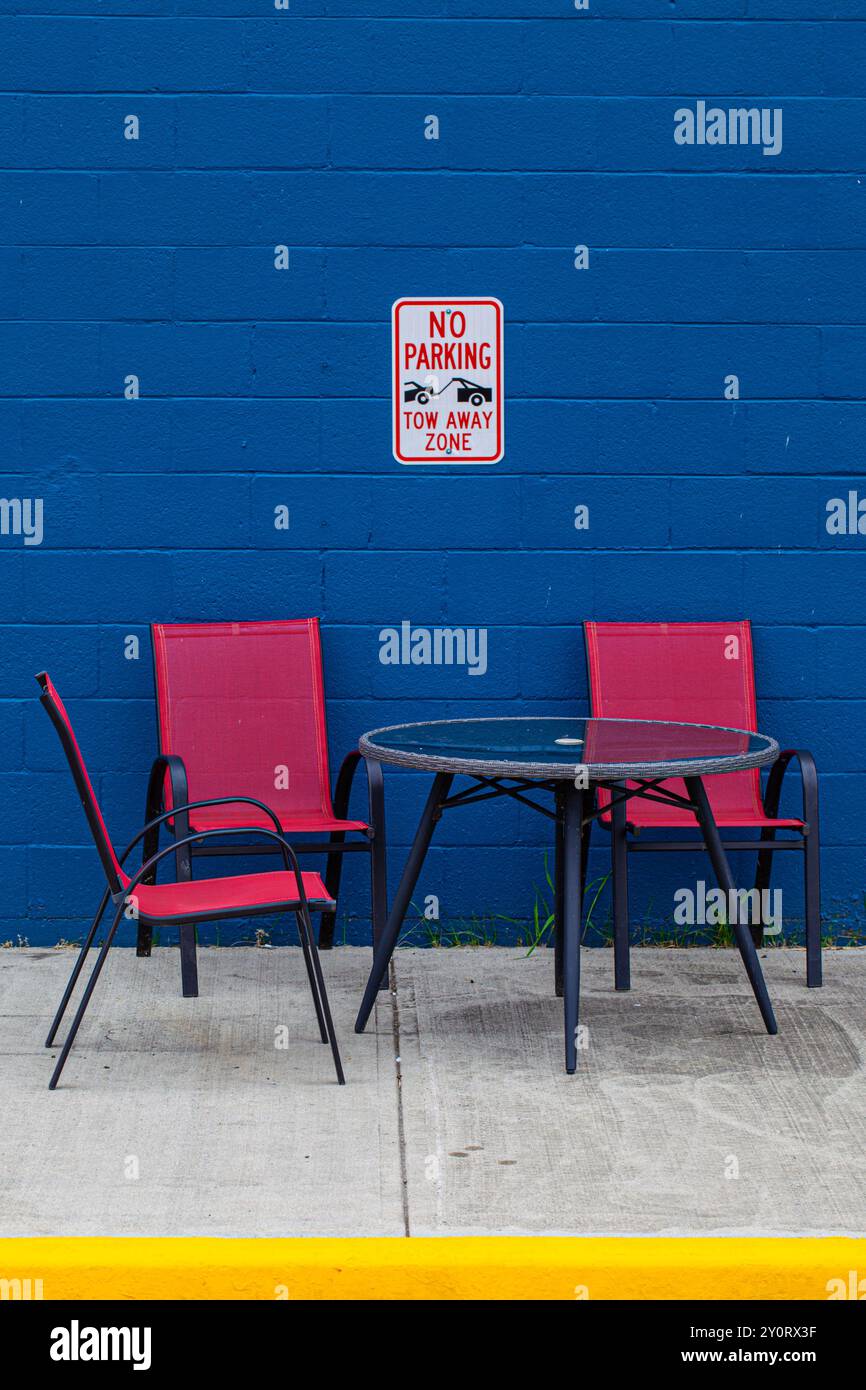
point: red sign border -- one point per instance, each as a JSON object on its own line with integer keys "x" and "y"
{"x": 397, "y": 402}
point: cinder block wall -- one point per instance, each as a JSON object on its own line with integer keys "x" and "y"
{"x": 154, "y": 258}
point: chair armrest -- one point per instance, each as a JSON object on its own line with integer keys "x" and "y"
{"x": 809, "y": 779}
{"x": 343, "y": 787}
{"x": 187, "y": 806}
{"x": 375, "y": 792}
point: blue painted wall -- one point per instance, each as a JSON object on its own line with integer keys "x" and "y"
{"x": 155, "y": 258}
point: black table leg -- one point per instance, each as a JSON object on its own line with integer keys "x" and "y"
{"x": 385, "y": 946}
{"x": 558, "y": 860}
{"x": 572, "y": 875}
{"x": 722, "y": 870}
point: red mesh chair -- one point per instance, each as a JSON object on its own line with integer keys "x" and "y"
{"x": 241, "y": 709}
{"x": 700, "y": 673}
{"x": 186, "y": 904}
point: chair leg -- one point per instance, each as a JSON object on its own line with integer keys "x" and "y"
{"x": 334, "y": 864}
{"x": 76, "y": 971}
{"x": 812, "y": 894}
{"x": 814, "y": 972}
{"x": 188, "y": 961}
{"x": 333, "y": 874}
{"x": 318, "y": 979}
{"x": 379, "y": 894}
{"x": 721, "y": 868}
{"x": 812, "y": 870}
{"x": 314, "y": 990}
{"x": 619, "y": 895}
{"x": 85, "y": 998}
{"x": 763, "y": 871}
{"x": 144, "y": 940}
{"x": 378, "y": 851}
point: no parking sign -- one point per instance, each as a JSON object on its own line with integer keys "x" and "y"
{"x": 447, "y": 381}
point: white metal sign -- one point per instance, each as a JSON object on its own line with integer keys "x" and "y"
{"x": 447, "y": 381}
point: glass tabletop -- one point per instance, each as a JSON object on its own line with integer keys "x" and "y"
{"x": 553, "y": 746}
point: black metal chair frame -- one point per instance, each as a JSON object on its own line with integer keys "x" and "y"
{"x": 123, "y": 896}
{"x": 807, "y": 842}
{"x": 615, "y": 821}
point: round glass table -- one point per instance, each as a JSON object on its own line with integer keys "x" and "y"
{"x": 575, "y": 759}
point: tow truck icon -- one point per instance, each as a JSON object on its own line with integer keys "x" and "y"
{"x": 467, "y": 392}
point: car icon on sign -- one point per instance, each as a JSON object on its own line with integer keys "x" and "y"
{"x": 474, "y": 394}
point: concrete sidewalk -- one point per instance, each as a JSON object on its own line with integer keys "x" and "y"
{"x": 182, "y": 1117}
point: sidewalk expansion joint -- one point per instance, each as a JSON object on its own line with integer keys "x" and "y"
{"x": 398, "y": 1076}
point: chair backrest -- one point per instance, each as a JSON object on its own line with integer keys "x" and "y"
{"x": 243, "y": 704}
{"x": 52, "y": 703}
{"x": 694, "y": 673}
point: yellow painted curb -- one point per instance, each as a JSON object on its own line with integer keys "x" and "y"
{"x": 541, "y": 1267}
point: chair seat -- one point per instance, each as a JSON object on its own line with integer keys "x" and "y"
{"x": 243, "y": 816}
{"x": 215, "y": 897}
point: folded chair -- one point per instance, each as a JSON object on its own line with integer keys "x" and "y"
{"x": 185, "y": 904}
{"x": 700, "y": 673}
{"x": 241, "y": 708}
